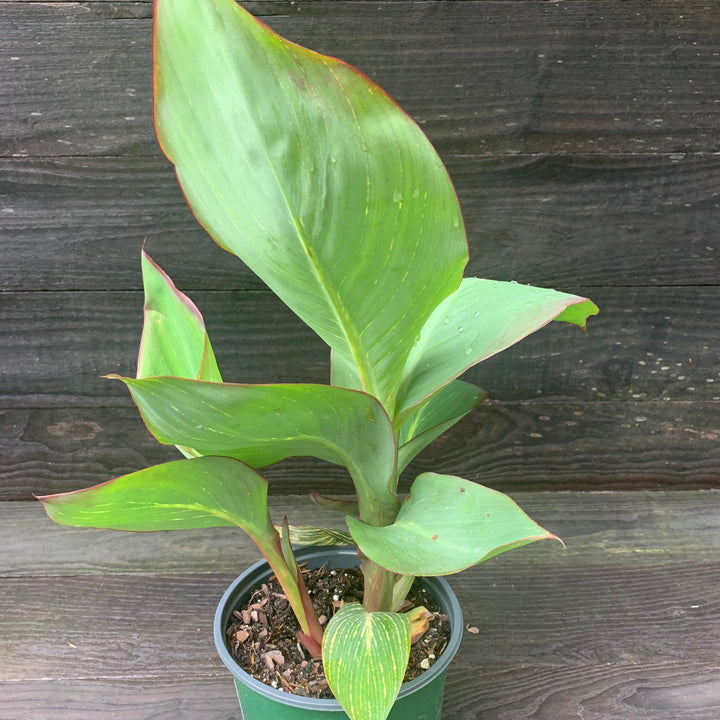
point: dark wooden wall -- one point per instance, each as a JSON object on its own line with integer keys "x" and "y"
{"x": 583, "y": 141}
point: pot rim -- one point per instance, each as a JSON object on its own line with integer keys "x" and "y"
{"x": 259, "y": 571}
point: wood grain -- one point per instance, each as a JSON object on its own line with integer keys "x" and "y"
{"x": 684, "y": 690}
{"x": 169, "y": 697}
{"x": 573, "y": 616}
{"x": 493, "y": 77}
{"x": 567, "y": 221}
{"x": 647, "y": 691}
{"x": 582, "y": 139}
{"x": 626, "y": 529}
{"x": 651, "y": 343}
{"x": 536, "y": 445}
{"x": 624, "y": 623}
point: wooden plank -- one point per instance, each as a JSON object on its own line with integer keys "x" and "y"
{"x": 125, "y": 626}
{"x": 60, "y": 344}
{"x": 492, "y": 77}
{"x": 128, "y": 626}
{"x": 72, "y": 60}
{"x": 556, "y": 446}
{"x": 529, "y": 691}
{"x": 648, "y": 343}
{"x": 632, "y": 404}
{"x": 621, "y": 625}
{"x": 512, "y": 447}
{"x": 169, "y": 697}
{"x": 627, "y": 530}
{"x": 570, "y": 221}
{"x": 591, "y": 220}
{"x": 651, "y": 690}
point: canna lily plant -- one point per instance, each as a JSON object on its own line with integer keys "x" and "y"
{"x": 307, "y": 171}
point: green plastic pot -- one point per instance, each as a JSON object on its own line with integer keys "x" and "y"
{"x": 419, "y": 699}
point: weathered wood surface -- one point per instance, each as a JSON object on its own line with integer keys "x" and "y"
{"x": 623, "y": 624}
{"x": 496, "y": 77}
{"x": 632, "y": 403}
{"x": 579, "y": 221}
{"x": 581, "y": 138}
{"x": 642, "y": 347}
{"x": 517, "y": 446}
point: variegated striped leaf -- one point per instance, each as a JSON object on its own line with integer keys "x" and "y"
{"x": 310, "y": 535}
{"x": 365, "y": 655}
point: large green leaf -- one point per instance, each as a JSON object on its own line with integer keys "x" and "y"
{"x": 446, "y": 525}
{"x": 365, "y": 655}
{"x": 433, "y": 417}
{"x": 174, "y": 340}
{"x": 313, "y": 176}
{"x": 263, "y": 424}
{"x": 180, "y": 495}
{"x": 477, "y": 321}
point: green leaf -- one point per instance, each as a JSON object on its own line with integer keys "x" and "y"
{"x": 185, "y": 494}
{"x": 263, "y": 424}
{"x": 433, "y": 417}
{"x": 446, "y": 525}
{"x": 477, "y": 321}
{"x": 343, "y": 374}
{"x": 174, "y": 340}
{"x": 182, "y": 495}
{"x": 578, "y": 314}
{"x": 311, "y": 174}
{"x": 365, "y": 656}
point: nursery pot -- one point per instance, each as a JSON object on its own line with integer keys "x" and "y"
{"x": 419, "y": 699}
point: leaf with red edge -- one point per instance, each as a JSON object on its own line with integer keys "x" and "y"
{"x": 479, "y": 320}
{"x": 174, "y": 340}
{"x": 446, "y": 524}
{"x": 311, "y": 174}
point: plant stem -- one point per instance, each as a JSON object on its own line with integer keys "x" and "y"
{"x": 293, "y": 585}
{"x": 379, "y": 583}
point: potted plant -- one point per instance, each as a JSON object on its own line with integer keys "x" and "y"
{"x": 327, "y": 190}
